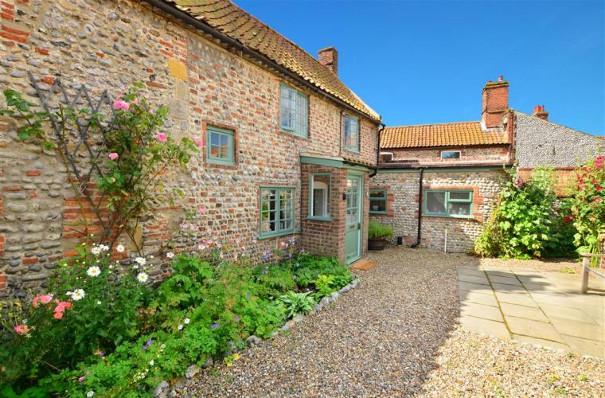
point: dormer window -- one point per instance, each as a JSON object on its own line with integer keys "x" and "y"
{"x": 450, "y": 155}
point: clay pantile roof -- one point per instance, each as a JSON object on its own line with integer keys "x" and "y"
{"x": 439, "y": 135}
{"x": 230, "y": 20}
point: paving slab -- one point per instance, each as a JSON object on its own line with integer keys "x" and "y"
{"x": 540, "y": 342}
{"x": 485, "y": 326}
{"x": 481, "y": 311}
{"x": 478, "y": 297}
{"x": 531, "y": 328}
{"x": 501, "y": 287}
{"x": 473, "y": 286}
{"x": 589, "y": 331}
{"x": 586, "y": 347}
{"x": 521, "y": 311}
{"x": 506, "y": 280}
{"x": 564, "y": 312}
{"x": 516, "y": 298}
{"x": 473, "y": 279}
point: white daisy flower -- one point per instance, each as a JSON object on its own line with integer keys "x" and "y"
{"x": 120, "y": 248}
{"x": 140, "y": 261}
{"x": 152, "y": 362}
{"x": 90, "y": 394}
{"x": 186, "y": 321}
{"x": 142, "y": 277}
{"x": 93, "y": 271}
{"x": 96, "y": 250}
{"x": 170, "y": 255}
{"x": 104, "y": 248}
{"x": 180, "y": 327}
{"x": 77, "y": 294}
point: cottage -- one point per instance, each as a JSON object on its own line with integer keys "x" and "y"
{"x": 438, "y": 183}
{"x": 288, "y": 148}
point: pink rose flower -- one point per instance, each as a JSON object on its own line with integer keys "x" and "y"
{"x": 21, "y": 329}
{"x": 113, "y": 156}
{"x": 62, "y": 306}
{"x": 599, "y": 161}
{"x": 58, "y": 315}
{"x": 199, "y": 142}
{"x": 42, "y": 299}
{"x": 120, "y": 105}
{"x": 162, "y": 137}
{"x": 202, "y": 210}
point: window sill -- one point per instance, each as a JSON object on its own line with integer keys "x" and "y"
{"x": 222, "y": 165}
{"x": 355, "y": 152}
{"x": 325, "y": 219}
{"x": 293, "y": 134}
{"x": 270, "y": 235}
{"x": 449, "y": 217}
{"x": 378, "y": 213}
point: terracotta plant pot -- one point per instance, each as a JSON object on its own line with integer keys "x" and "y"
{"x": 376, "y": 244}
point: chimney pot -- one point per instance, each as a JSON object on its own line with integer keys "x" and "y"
{"x": 328, "y": 57}
{"x": 540, "y": 112}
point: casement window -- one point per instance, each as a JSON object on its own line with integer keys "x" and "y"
{"x": 378, "y": 201}
{"x": 448, "y": 203}
{"x": 350, "y": 125}
{"x": 276, "y": 211}
{"x": 220, "y": 147}
{"x": 319, "y": 196}
{"x": 446, "y": 155}
{"x": 293, "y": 111}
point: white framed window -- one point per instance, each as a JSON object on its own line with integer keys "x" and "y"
{"x": 319, "y": 196}
{"x": 293, "y": 111}
{"x": 447, "y": 155}
{"x": 276, "y": 211}
{"x": 350, "y": 126}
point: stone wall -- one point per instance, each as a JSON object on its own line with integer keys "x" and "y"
{"x": 542, "y": 143}
{"x": 404, "y": 184}
{"x": 109, "y": 45}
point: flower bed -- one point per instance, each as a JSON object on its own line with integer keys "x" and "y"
{"x": 105, "y": 332}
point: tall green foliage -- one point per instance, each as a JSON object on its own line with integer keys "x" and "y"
{"x": 528, "y": 221}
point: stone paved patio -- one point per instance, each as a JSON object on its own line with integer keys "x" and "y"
{"x": 533, "y": 304}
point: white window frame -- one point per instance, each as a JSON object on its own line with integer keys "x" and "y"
{"x": 325, "y": 187}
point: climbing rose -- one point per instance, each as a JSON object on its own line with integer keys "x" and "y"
{"x": 113, "y": 156}
{"x": 199, "y": 142}
{"x": 120, "y": 105}
{"x": 162, "y": 137}
{"x": 21, "y": 329}
{"x": 42, "y": 299}
{"x": 599, "y": 161}
{"x": 202, "y": 210}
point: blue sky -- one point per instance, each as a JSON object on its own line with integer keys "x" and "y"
{"x": 426, "y": 61}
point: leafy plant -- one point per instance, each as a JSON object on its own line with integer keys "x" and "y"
{"x": 325, "y": 285}
{"x": 377, "y": 230}
{"x": 297, "y": 303}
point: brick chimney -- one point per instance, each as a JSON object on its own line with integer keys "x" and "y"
{"x": 494, "y": 103}
{"x": 328, "y": 57}
{"x": 540, "y": 112}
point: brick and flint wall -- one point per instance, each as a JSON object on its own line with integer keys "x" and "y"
{"x": 109, "y": 45}
{"x": 403, "y": 200}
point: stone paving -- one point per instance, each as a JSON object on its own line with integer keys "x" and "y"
{"x": 530, "y": 304}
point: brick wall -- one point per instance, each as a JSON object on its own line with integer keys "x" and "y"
{"x": 110, "y": 45}
{"x": 403, "y": 185}
{"x": 467, "y": 154}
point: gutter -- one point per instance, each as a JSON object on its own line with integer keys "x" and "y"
{"x": 382, "y": 126}
{"x": 420, "y": 204}
{"x": 196, "y": 23}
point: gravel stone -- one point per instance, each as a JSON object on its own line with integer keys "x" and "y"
{"x": 397, "y": 335}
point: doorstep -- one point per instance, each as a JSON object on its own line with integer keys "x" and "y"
{"x": 364, "y": 264}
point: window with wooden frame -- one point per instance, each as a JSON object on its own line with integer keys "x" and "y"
{"x": 378, "y": 201}
{"x": 447, "y": 155}
{"x": 220, "y": 146}
{"x": 293, "y": 111}
{"x": 276, "y": 211}
{"x": 350, "y": 126}
{"x": 454, "y": 203}
{"x": 319, "y": 196}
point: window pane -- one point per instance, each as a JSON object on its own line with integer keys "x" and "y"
{"x": 293, "y": 110}
{"x": 460, "y": 195}
{"x": 435, "y": 202}
{"x": 378, "y": 205}
{"x": 220, "y": 145}
{"x": 377, "y": 194}
{"x": 320, "y": 196}
{"x": 351, "y": 132}
{"x": 459, "y": 208}
{"x": 450, "y": 155}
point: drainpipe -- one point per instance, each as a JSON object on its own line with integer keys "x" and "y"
{"x": 420, "y": 193}
{"x": 382, "y": 125}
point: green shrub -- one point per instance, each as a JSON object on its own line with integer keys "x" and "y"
{"x": 297, "y": 303}
{"x": 377, "y": 230}
{"x": 274, "y": 279}
{"x": 307, "y": 269}
{"x": 527, "y": 221}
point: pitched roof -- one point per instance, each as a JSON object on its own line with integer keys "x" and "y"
{"x": 436, "y": 135}
{"x": 230, "y": 20}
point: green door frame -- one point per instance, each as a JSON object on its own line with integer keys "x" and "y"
{"x": 360, "y": 206}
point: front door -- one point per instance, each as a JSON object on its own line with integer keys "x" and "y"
{"x": 353, "y": 218}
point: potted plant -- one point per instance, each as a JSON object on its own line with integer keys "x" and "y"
{"x": 378, "y": 235}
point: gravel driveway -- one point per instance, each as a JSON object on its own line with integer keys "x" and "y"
{"x": 390, "y": 337}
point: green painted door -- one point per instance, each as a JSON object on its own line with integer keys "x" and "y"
{"x": 353, "y": 218}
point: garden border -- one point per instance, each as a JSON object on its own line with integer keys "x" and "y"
{"x": 166, "y": 389}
